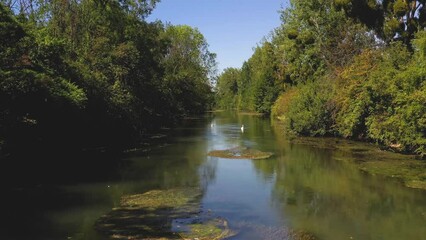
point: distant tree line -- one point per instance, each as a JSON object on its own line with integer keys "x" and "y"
{"x": 90, "y": 73}
{"x": 349, "y": 68}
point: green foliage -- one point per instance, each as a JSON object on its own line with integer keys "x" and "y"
{"x": 188, "y": 68}
{"x": 310, "y": 110}
{"x": 283, "y": 103}
{"x": 227, "y": 85}
{"x": 381, "y": 97}
{"x": 399, "y": 115}
{"x": 13, "y": 40}
{"x": 353, "y": 98}
{"x": 245, "y": 97}
{"x": 21, "y": 76}
{"x": 391, "y": 26}
{"x": 368, "y": 12}
{"x": 94, "y": 73}
{"x": 420, "y": 45}
{"x": 265, "y": 85}
{"x": 16, "y": 86}
{"x": 400, "y": 7}
{"x": 335, "y": 75}
{"x": 255, "y": 86}
{"x": 326, "y": 39}
{"x": 390, "y": 19}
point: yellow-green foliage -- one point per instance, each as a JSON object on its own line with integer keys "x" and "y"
{"x": 282, "y": 105}
{"x": 382, "y": 97}
{"x": 420, "y": 45}
{"x": 351, "y": 98}
{"x": 309, "y": 109}
{"x": 391, "y": 26}
{"x": 342, "y": 3}
{"x": 400, "y": 7}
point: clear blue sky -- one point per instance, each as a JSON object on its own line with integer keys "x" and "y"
{"x": 232, "y": 27}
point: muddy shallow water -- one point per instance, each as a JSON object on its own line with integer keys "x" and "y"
{"x": 301, "y": 190}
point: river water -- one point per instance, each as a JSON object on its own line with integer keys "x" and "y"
{"x": 301, "y": 187}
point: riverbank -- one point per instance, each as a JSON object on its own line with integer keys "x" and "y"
{"x": 409, "y": 169}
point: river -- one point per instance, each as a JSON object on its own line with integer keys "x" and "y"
{"x": 301, "y": 187}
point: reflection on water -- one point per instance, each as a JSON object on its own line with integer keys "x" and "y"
{"x": 301, "y": 187}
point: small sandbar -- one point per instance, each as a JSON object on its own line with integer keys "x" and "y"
{"x": 240, "y": 153}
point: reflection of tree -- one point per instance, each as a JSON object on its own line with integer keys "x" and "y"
{"x": 208, "y": 172}
{"x": 256, "y": 131}
{"x": 334, "y": 200}
{"x": 177, "y": 161}
{"x": 265, "y": 168}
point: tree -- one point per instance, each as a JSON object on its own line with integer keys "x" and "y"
{"x": 255, "y": 86}
{"x": 391, "y": 19}
{"x": 95, "y": 73}
{"x": 265, "y": 84}
{"x": 314, "y": 37}
{"x": 30, "y": 92}
{"x": 189, "y": 68}
{"x": 228, "y": 88}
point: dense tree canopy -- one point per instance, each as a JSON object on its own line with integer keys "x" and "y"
{"x": 253, "y": 88}
{"x": 188, "y": 65}
{"x": 345, "y": 68}
{"x": 94, "y": 73}
{"x": 389, "y": 18}
{"x": 227, "y": 85}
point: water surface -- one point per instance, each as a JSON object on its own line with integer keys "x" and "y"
{"x": 301, "y": 187}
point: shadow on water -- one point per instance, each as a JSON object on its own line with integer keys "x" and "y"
{"x": 301, "y": 191}
{"x": 61, "y": 195}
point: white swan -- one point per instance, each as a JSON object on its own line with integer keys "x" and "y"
{"x": 242, "y": 128}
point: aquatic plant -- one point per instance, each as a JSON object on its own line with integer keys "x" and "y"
{"x": 163, "y": 214}
{"x": 240, "y": 153}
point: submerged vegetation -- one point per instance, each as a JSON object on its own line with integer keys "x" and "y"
{"x": 163, "y": 214}
{"x": 240, "y": 153}
{"x": 172, "y": 198}
{"x": 213, "y": 229}
{"x": 372, "y": 160}
{"x": 354, "y": 69}
{"x": 177, "y": 214}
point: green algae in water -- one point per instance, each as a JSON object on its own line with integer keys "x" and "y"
{"x": 371, "y": 159}
{"x": 154, "y": 214}
{"x": 240, "y": 153}
{"x": 155, "y": 199}
{"x": 211, "y": 229}
{"x": 274, "y": 232}
{"x": 150, "y": 215}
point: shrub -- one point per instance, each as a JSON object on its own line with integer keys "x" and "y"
{"x": 310, "y": 110}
